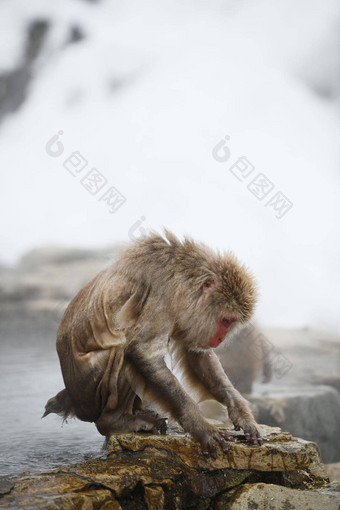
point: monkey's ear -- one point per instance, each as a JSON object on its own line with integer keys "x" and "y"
{"x": 208, "y": 285}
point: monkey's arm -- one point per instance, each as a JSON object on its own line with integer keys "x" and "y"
{"x": 164, "y": 388}
{"x": 207, "y": 368}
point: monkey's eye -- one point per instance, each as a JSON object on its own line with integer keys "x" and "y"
{"x": 227, "y": 321}
{"x": 208, "y": 285}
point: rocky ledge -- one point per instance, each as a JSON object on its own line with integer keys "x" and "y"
{"x": 143, "y": 471}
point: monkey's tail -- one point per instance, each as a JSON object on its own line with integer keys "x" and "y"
{"x": 60, "y": 404}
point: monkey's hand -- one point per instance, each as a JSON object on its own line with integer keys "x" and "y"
{"x": 207, "y": 368}
{"x": 211, "y": 436}
{"x": 245, "y": 421}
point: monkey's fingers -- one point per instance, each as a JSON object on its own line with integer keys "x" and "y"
{"x": 251, "y": 433}
{"x": 208, "y": 443}
{"x": 209, "y": 448}
{"x": 227, "y": 436}
{"x": 223, "y": 444}
{"x": 254, "y": 436}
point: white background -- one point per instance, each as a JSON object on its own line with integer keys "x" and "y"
{"x": 146, "y": 96}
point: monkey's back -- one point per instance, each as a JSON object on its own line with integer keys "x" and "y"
{"x": 90, "y": 347}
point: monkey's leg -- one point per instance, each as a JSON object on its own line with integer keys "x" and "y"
{"x": 149, "y": 415}
{"x": 208, "y": 369}
{"x": 127, "y": 415}
{"x": 158, "y": 422}
{"x": 111, "y": 422}
{"x": 161, "y": 386}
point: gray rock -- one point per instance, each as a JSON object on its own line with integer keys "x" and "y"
{"x": 333, "y": 471}
{"x": 36, "y": 259}
{"x": 311, "y": 412}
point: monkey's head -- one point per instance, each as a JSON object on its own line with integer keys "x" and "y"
{"x": 201, "y": 295}
{"x": 217, "y": 295}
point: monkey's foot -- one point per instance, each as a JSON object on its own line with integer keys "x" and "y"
{"x": 155, "y": 423}
{"x": 251, "y": 432}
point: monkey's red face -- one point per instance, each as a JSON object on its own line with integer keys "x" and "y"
{"x": 222, "y": 330}
{"x": 233, "y": 297}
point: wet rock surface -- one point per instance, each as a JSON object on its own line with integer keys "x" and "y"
{"x": 169, "y": 471}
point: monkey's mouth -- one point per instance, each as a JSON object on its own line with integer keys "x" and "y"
{"x": 221, "y": 332}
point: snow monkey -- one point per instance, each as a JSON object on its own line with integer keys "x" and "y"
{"x": 161, "y": 295}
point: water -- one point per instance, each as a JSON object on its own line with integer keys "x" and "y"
{"x": 29, "y": 376}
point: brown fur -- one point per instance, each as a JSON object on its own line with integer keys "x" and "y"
{"x": 115, "y": 333}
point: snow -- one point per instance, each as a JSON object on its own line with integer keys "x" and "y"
{"x": 145, "y": 97}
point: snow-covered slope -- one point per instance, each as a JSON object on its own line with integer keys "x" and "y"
{"x": 144, "y": 97}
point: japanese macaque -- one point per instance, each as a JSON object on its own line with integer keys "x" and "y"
{"x": 161, "y": 296}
